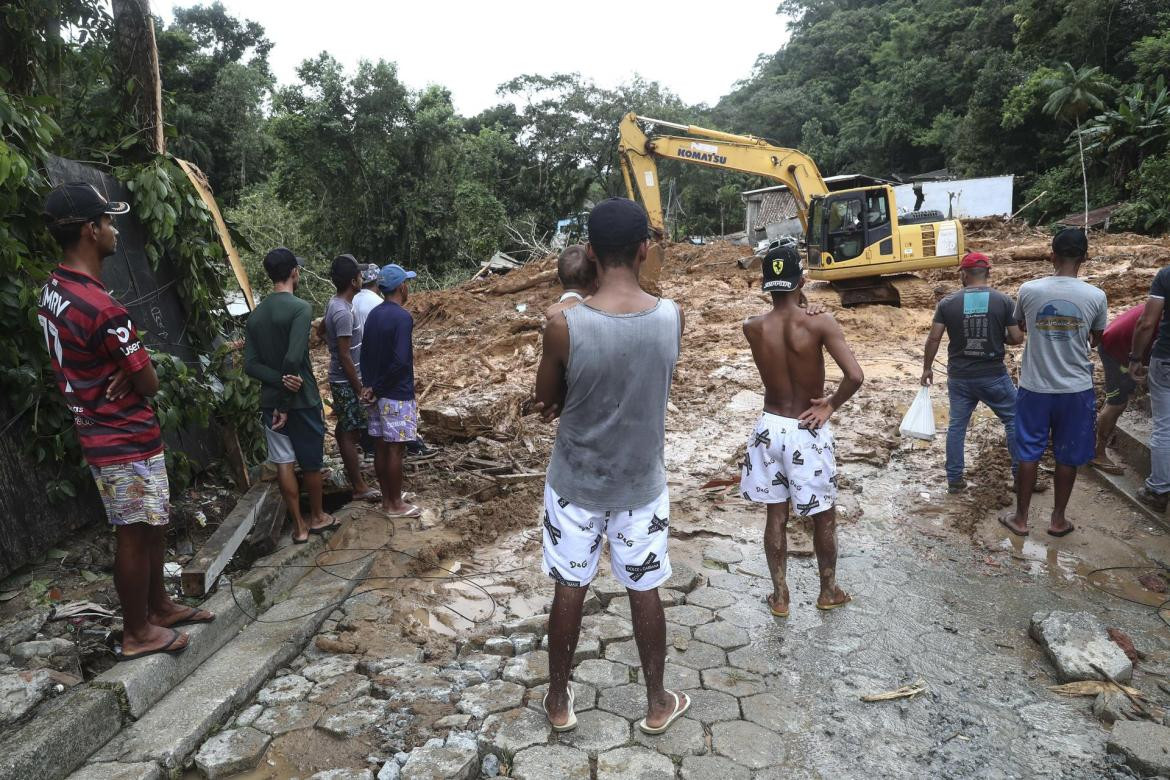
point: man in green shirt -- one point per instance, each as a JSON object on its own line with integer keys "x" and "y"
{"x": 276, "y": 352}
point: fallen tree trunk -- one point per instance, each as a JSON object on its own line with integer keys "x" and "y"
{"x": 544, "y": 277}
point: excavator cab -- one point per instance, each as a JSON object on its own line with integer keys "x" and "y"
{"x": 845, "y": 225}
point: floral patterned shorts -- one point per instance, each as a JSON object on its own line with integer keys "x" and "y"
{"x": 135, "y": 492}
{"x": 394, "y": 421}
{"x": 350, "y": 414}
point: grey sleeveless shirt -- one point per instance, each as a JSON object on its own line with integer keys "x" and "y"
{"x": 609, "y": 447}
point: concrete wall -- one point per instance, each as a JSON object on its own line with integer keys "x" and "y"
{"x": 961, "y": 198}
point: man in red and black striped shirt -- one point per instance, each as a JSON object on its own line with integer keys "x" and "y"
{"x": 105, "y": 375}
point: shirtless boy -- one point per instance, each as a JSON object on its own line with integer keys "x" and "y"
{"x": 790, "y": 452}
{"x": 578, "y": 276}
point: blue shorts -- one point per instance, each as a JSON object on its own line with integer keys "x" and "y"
{"x": 1070, "y": 418}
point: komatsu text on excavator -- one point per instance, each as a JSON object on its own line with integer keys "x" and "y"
{"x": 852, "y": 229}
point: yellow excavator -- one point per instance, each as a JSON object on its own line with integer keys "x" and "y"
{"x": 853, "y": 232}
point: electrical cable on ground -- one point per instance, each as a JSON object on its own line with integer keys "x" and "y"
{"x": 1161, "y": 608}
{"x": 367, "y": 552}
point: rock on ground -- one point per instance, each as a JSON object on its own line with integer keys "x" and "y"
{"x": 1076, "y": 641}
{"x": 507, "y": 733}
{"x": 1145, "y": 745}
{"x": 442, "y": 762}
{"x": 231, "y": 751}
{"x": 634, "y": 763}
{"x": 529, "y": 669}
{"x": 282, "y": 690}
{"x": 22, "y": 691}
{"x": 142, "y": 771}
{"x": 343, "y": 774}
{"x": 350, "y": 719}
{"x": 288, "y": 717}
{"x": 545, "y": 763}
{"x": 495, "y": 696}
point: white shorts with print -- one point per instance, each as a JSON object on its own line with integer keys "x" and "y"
{"x": 786, "y": 462}
{"x": 573, "y": 538}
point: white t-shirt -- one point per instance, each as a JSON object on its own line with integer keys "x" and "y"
{"x": 363, "y": 303}
{"x": 1059, "y": 312}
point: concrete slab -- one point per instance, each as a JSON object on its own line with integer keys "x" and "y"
{"x": 145, "y": 682}
{"x": 58, "y": 740}
{"x": 147, "y": 771}
{"x": 173, "y": 728}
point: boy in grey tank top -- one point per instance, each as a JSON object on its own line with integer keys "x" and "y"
{"x": 606, "y": 371}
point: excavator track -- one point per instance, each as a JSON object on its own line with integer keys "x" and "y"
{"x": 901, "y": 290}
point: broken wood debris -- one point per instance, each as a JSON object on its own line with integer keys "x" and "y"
{"x": 905, "y": 692}
{"x": 209, "y": 562}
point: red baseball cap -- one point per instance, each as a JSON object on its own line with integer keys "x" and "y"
{"x": 975, "y": 260}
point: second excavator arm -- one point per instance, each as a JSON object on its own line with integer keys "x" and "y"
{"x": 715, "y": 149}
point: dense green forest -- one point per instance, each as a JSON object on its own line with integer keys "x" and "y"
{"x": 1070, "y": 97}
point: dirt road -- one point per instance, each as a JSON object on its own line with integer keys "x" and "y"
{"x": 943, "y": 595}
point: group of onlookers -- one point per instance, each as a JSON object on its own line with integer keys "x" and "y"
{"x": 371, "y": 380}
{"x": 1059, "y": 319}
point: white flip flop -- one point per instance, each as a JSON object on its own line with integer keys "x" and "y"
{"x": 678, "y": 713}
{"x": 569, "y": 724}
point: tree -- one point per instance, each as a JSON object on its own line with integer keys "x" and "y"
{"x": 1075, "y": 92}
{"x": 1137, "y": 126}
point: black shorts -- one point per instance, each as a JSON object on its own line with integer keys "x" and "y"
{"x": 1119, "y": 385}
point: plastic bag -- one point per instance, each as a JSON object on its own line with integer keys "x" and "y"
{"x": 919, "y": 420}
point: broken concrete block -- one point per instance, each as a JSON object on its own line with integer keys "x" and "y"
{"x": 330, "y": 666}
{"x": 1145, "y": 745}
{"x": 21, "y": 629}
{"x": 231, "y": 751}
{"x": 1111, "y": 706}
{"x": 22, "y": 691}
{"x": 498, "y": 645}
{"x": 446, "y": 762}
{"x": 283, "y": 690}
{"x": 507, "y": 733}
{"x": 543, "y": 763}
{"x": 352, "y": 718}
{"x": 529, "y": 669}
{"x": 343, "y": 774}
{"x": 391, "y": 770}
{"x": 524, "y": 643}
{"x": 292, "y": 716}
{"x": 41, "y": 648}
{"x": 495, "y": 696}
{"x": 487, "y": 666}
{"x": 1076, "y": 641}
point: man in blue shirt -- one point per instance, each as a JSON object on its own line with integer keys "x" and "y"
{"x": 387, "y": 364}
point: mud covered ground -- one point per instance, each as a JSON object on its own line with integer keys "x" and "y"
{"x": 943, "y": 594}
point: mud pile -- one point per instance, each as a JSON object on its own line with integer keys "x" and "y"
{"x": 477, "y": 347}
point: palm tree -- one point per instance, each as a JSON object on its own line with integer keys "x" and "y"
{"x": 1140, "y": 122}
{"x": 1073, "y": 93}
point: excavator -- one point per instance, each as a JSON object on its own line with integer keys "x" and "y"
{"x": 853, "y": 233}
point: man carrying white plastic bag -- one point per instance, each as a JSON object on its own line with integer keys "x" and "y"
{"x": 978, "y": 322}
{"x": 919, "y": 420}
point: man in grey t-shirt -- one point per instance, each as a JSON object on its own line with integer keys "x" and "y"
{"x": 1064, "y": 318}
{"x": 344, "y": 339}
{"x": 978, "y": 321}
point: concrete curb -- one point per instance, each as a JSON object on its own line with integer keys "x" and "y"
{"x": 1135, "y": 455}
{"x": 139, "y": 685}
{"x": 60, "y": 738}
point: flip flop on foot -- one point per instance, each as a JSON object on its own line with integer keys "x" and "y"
{"x": 780, "y": 613}
{"x": 1108, "y": 467}
{"x": 680, "y": 706}
{"x": 1065, "y": 532}
{"x": 1004, "y": 522}
{"x": 193, "y": 617}
{"x": 302, "y": 541}
{"x": 827, "y": 607}
{"x": 169, "y": 648}
{"x": 371, "y": 495}
{"x": 323, "y": 528}
{"x": 410, "y": 511}
{"x": 570, "y": 722}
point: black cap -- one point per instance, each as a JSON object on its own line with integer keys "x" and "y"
{"x": 618, "y": 222}
{"x": 1070, "y": 242}
{"x": 280, "y": 262}
{"x": 782, "y": 269}
{"x": 78, "y": 202}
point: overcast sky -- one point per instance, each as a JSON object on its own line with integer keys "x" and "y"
{"x": 697, "y": 50}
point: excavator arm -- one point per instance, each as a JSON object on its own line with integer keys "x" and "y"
{"x": 715, "y": 149}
